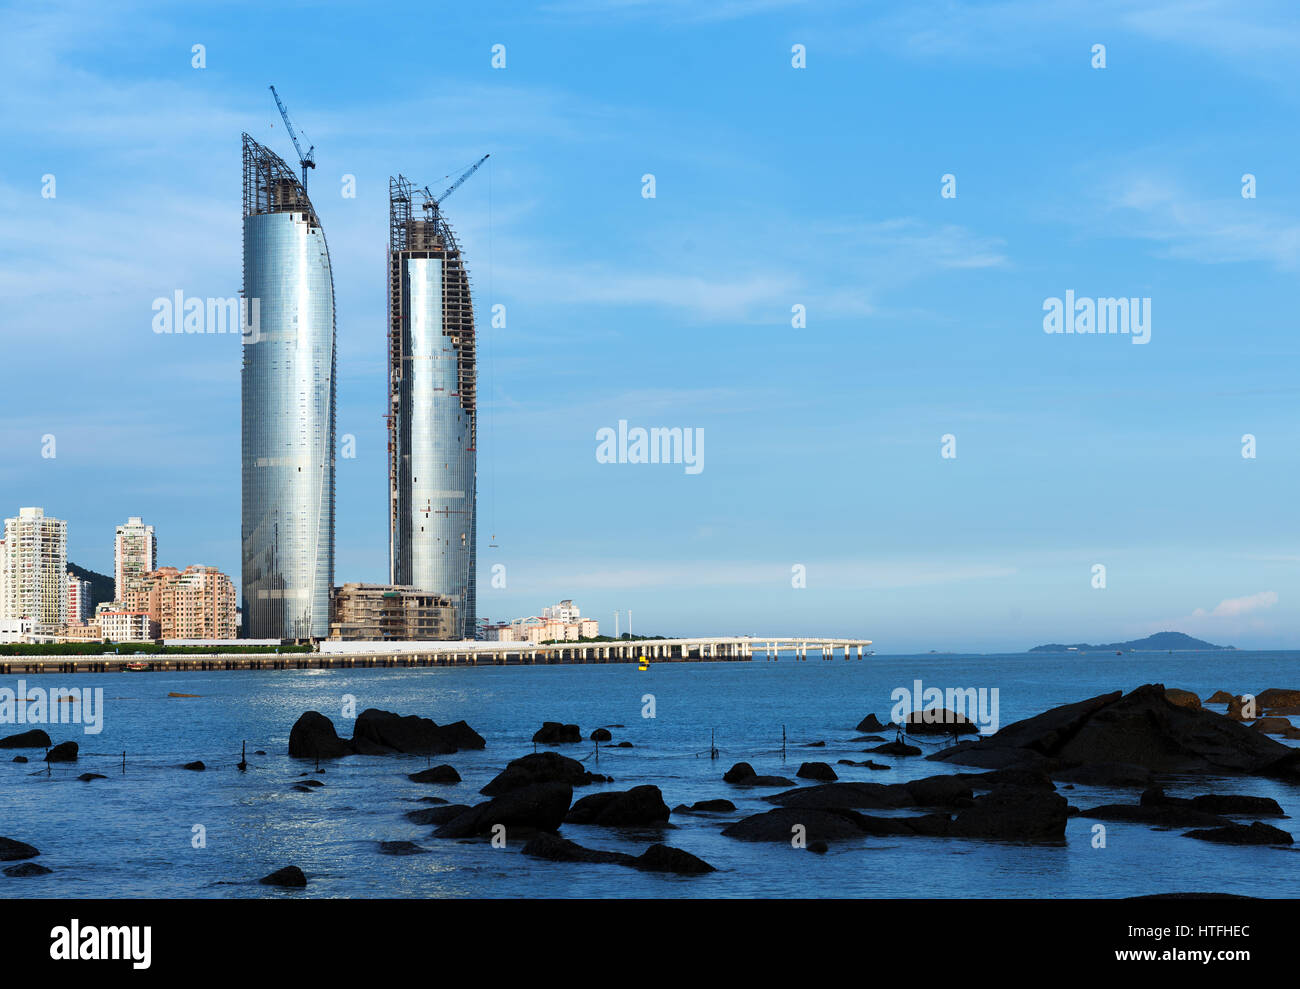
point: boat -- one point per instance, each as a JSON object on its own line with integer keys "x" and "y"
{"x": 135, "y": 666}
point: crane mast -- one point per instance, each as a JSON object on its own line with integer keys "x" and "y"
{"x": 307, "y": 160}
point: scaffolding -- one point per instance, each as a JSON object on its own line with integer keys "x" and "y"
{"x": 426, "y": 234}
{"x": 271, "y": 186}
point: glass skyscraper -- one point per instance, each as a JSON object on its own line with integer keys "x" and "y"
{"x": 288, "y": 406}
{"x": 432, "y": 413}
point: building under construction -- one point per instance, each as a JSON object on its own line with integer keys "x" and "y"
{"x": 432, "y": 407}
{"x": 287, "y": 405}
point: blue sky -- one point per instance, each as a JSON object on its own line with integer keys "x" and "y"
{"x": 775, "y": 186}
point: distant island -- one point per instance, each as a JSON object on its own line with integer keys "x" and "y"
{"x": 1160, "y": 642}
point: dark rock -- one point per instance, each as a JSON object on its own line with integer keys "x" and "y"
{"x": 556, "y": 849}
{"x": 706, "y": 807}
{"x": 1155, "y": 815}
{"x": 896, "y": 748}
{"x": 400, "y": 848}
{"x": 656, "y": 858}
{"x": 868, "y": 738}
{"x": 641, "y": 805}
{"x": 541, "y": 767}
{"x": 540, "y": 806}
{"x": 34, "y": 739}
{"x": 313, "y": 737}
{"x": 940, "y": 721}
{"x": 11, "y": 850}
{"x": 431, "y": 800}
{"x": 26, "y": 869}
{"x": 870, "y": 723}
{"x": 411, "y": 734}
{"x": 1014, "y": 813}
{"x": 814, "y": 745}
{"x": 1106, "y": 774}
{"x": 1182, "y": 698}
{"x": 197, "y": 766}
{"x": 260, "y": 752}
{"x": 663, "y": 858}
{"x": 554, "y": 733}
{"x": 844, "y": 796}
{"x": 1142, "y": 728}
{"x": 779, "y": 825}
{"x": 868, "y": 764}
{"x": 623, "y": 745}
{"x": 818, "y": 847}
{"x": 933, "y": 791}
{"x": 290, "y": 876}
{"x": 601, "y": 735}
{"x": 1272, "y": 726}
{"x": 462, "y": 736}
{"x": 63, "y": 752}
{"x": 19, "y": 758}
{"x": 302, "y": 789}
{"x": 1219, "y": 697}
{"x": 438, "y": 774}
{"x": 311, "y": 783}
{"x": 817, "y": 771}
{"x": 1237, "y": 709}
{"x": 87, "y": 777}
{"x": 740, "y": 771}
{"x": 1277, "y": 697}
{"x": 1256, "y": 833}
{"x": 436, "y": 815}
{"x": 1231, "y": 804}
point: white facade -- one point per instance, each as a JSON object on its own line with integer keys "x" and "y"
{"x": 15, "y": 630}
{"x": 565, "y": 611}
{"x": 135, "y": 553}
{"x": 78, "y": 598}
{"x": 35, "y": 565}
{"x": 127, "y": 626}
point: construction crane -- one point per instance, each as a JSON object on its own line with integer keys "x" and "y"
{"x": 307, "y": 160}
{"x": 431, "y": 204}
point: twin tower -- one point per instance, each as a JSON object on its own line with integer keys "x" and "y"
{"x": 289, "y": 390}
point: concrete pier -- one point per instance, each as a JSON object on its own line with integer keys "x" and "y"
{"x": 370, "y": 655}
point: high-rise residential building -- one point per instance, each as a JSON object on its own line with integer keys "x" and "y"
{"x": 432, "y": 406}
{"x": 36, "y": 569}
{"x": 79, "y": 608}
{"x": 135, "y": 553}
{"x": 198, "y": 603}
{"x": 287, "y": 406}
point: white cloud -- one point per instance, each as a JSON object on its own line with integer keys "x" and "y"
{"x": 1236, "y": 607}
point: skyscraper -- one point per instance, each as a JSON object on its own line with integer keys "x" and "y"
{"x": 36, "y": 568}
{"x": 288, "y": 406}
{"x": 432, "y": 406}
{"x": 135, "y": 553}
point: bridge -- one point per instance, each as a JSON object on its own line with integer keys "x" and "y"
{"x": 361, "y": 655}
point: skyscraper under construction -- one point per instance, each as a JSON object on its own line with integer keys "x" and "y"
{"x": 432, "y": 409}
{"x": 287, "y": 405}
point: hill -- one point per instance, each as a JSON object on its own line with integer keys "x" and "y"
{"x": 1160, "y": 642}
{"x": 101, "y": 585}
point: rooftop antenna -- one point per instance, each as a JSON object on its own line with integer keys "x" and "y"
{"x": 307, "y": 160}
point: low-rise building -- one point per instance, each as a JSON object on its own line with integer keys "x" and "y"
{"x": 390, "y": 612}
{"x": 127, "y": 626}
